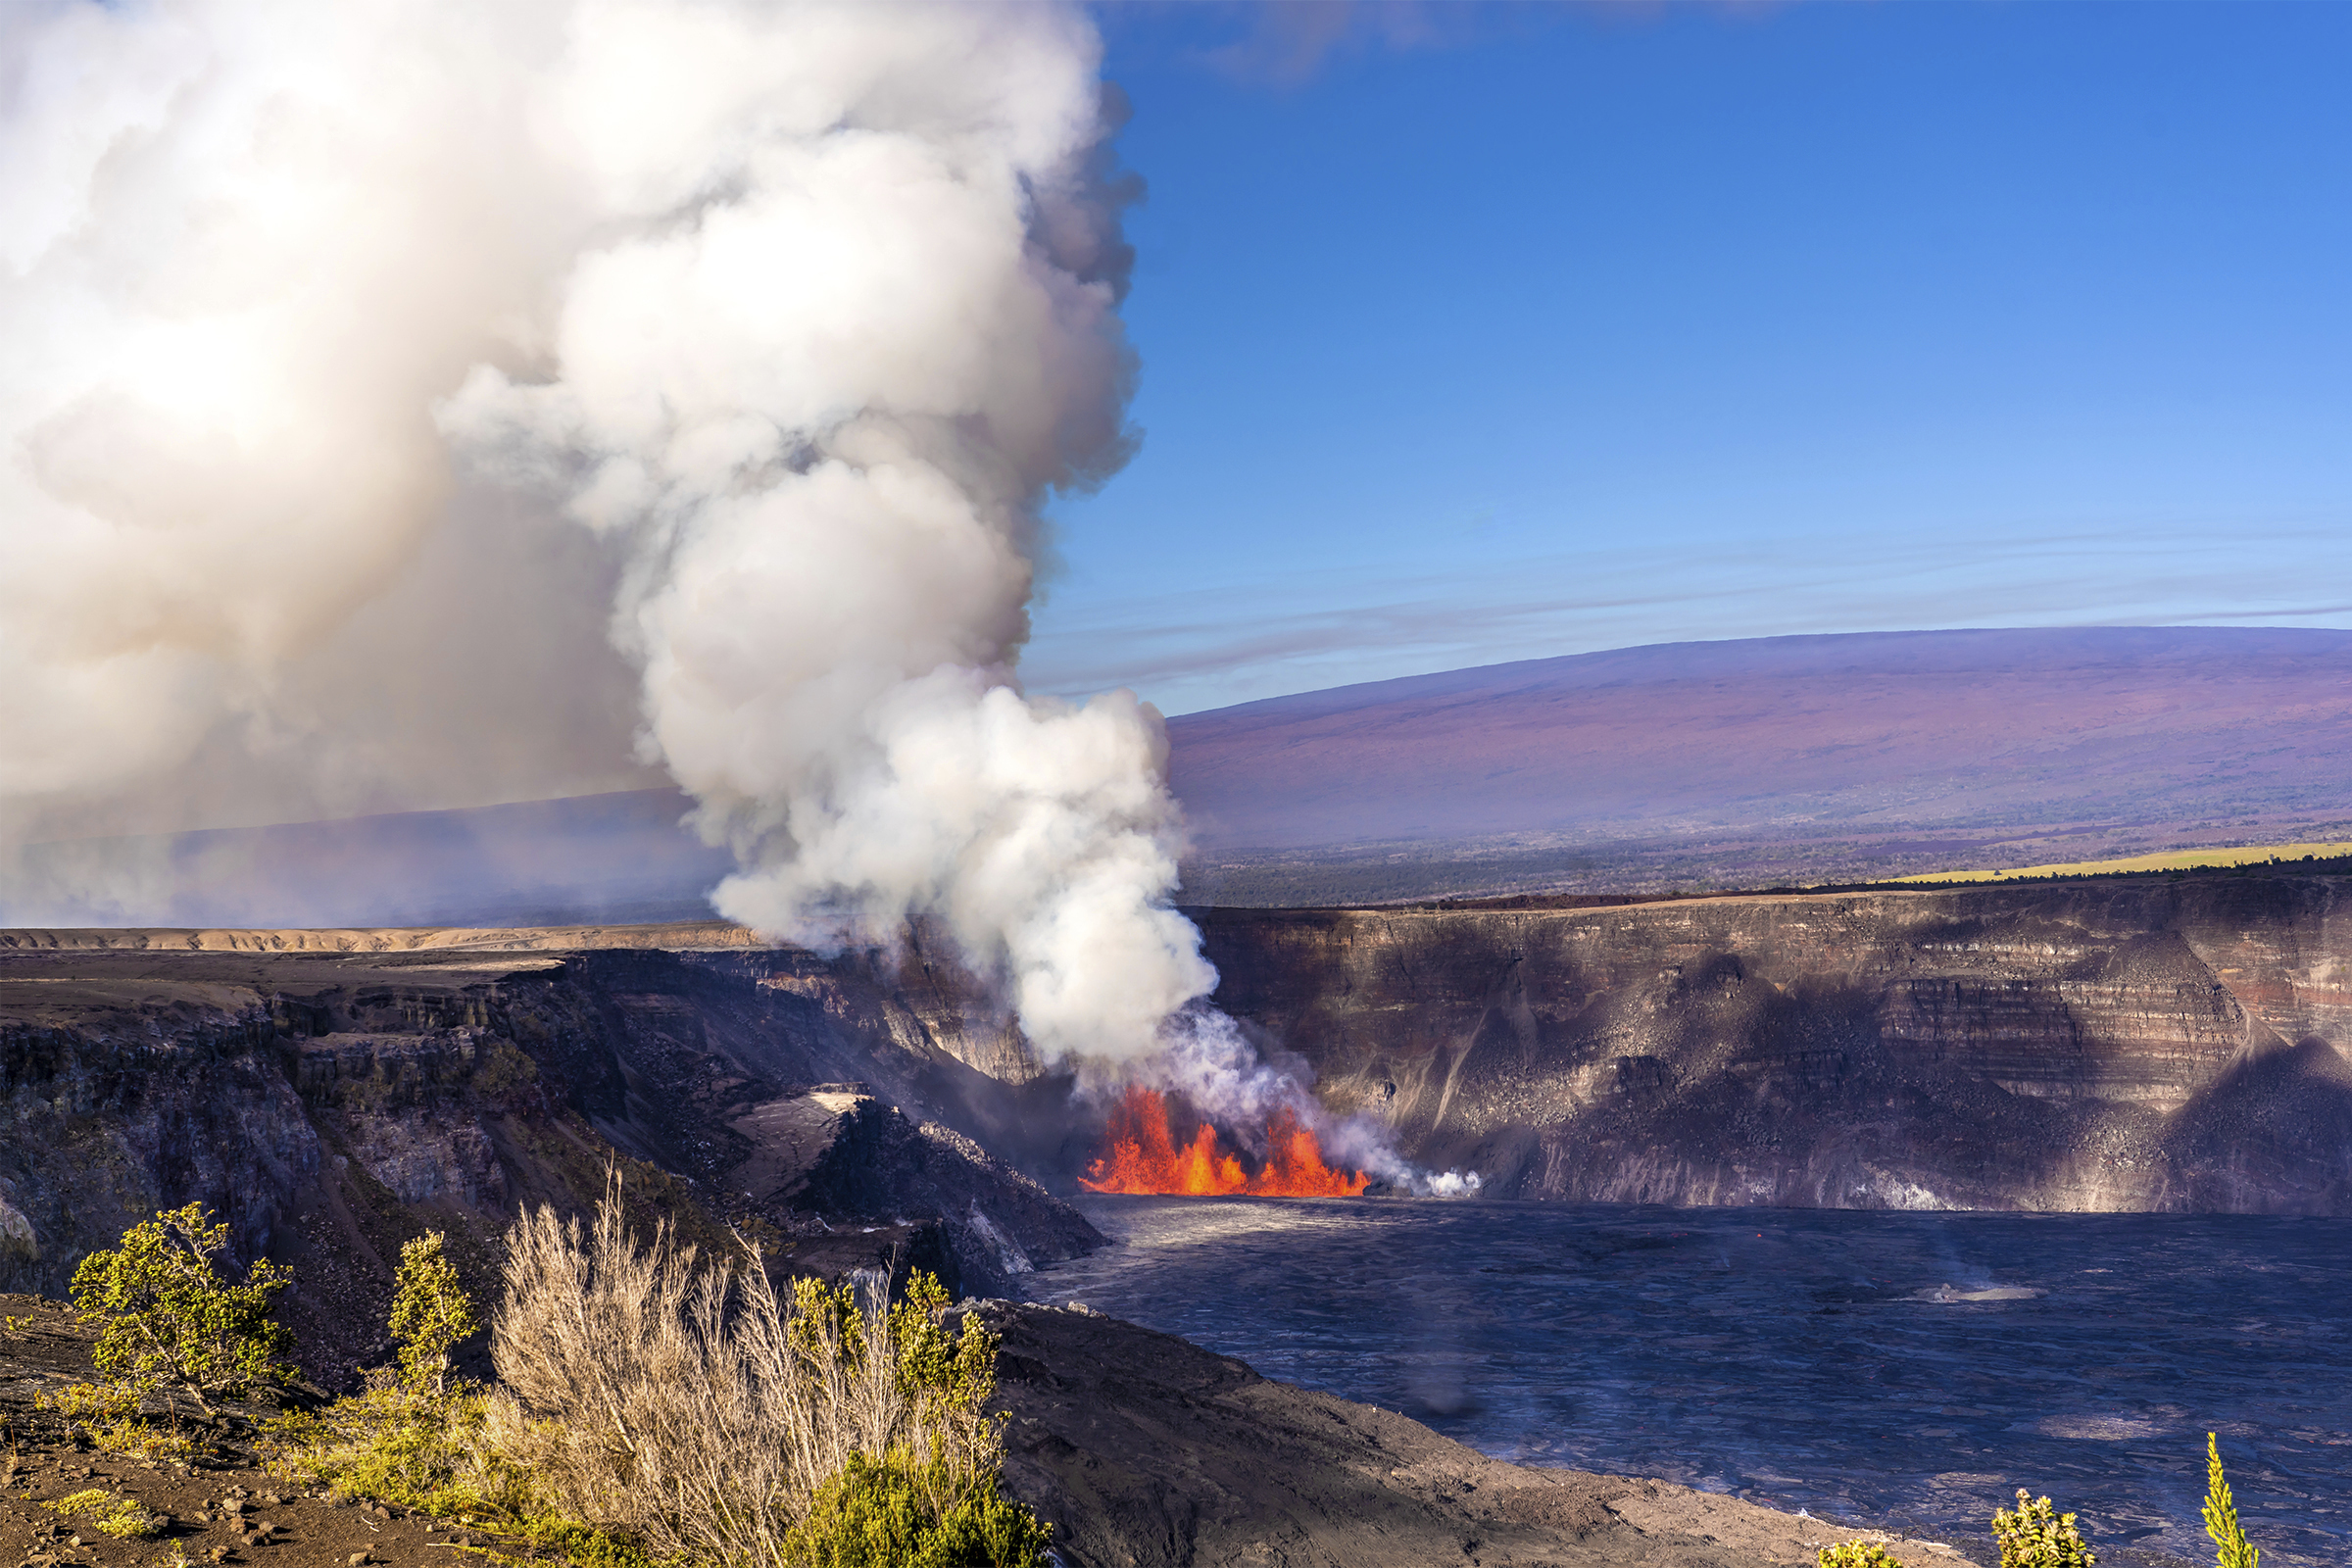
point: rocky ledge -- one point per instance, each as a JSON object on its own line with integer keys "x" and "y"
{"x": 1144, "y": 1451}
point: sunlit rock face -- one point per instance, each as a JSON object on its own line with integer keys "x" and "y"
{"x": 2137, "y": 1044}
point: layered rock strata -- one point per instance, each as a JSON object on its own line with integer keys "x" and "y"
{"x": 332, "y": 1095}
{"x": 2160, "y": 1043}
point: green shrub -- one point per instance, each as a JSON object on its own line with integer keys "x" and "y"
{"x": 715, "y": 1418}
{"x": 2221, "y": 1515}
{"x": 416, "y": 1438}
{"x": 167, "y": 1313}
{"x": 2036, "y": 1537}
{"x": 880, "y": 1514}
{"x": 430, "y": 1312}
{"x": 1857, "y": 1555}
{"x": 394, "y": 1445}
{"x": 109, "y": 1514}
{"x": 128, "y": 1521}
{"x": 107, "y": 1416}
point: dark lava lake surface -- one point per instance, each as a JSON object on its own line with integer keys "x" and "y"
{"x": 1801, "y": 1358}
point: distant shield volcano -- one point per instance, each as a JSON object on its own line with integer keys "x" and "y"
{"x": 1778, "y": 760}
{"x": 1745, "y": 763}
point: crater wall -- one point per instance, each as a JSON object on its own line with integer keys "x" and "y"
{"x": 332, "y": 1094}
{"x": 2131, "y": 1044}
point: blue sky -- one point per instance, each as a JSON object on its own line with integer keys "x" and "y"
{"x": 1495, "y": 334}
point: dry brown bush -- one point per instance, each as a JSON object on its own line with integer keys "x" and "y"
{"x": 685, "y": 1402}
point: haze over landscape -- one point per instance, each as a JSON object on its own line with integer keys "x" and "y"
{"x": 1686, "y": 766}
{"x": 1797, "y": 760}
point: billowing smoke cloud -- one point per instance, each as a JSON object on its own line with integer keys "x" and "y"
{"x": 797, "y": 313}
{"x": 847, "y": 322}
{"x": 244, "y": 247}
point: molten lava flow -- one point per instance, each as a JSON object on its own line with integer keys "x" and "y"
{"x": 1143, "y": 1157}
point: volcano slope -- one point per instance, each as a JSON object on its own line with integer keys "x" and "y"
{"x": 2155, "y": 1043}
{"x": 332, "y": 1095}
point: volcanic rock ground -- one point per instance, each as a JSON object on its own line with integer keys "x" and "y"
{"x": 222, "y": 1508}
{"x": 1146, "y": 1452}
{"x": 1142, "y": 1449}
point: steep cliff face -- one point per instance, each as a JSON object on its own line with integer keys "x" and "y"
{"x": 332, "y": 1103}
{"x": 2148, "y": 1044}
{"x": 2143, "y": 1043}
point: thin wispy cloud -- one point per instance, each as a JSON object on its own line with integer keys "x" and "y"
{"x": 1208, "y": 648}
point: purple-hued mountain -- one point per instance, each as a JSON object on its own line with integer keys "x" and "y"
{"x": 1984, "y": 728}
{"x": 1785, "y": 758}
{"x": 1680, "y": 765}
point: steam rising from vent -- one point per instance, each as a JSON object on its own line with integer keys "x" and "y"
{"x": 800, "y": 312}
{"x": 849, "y": 316}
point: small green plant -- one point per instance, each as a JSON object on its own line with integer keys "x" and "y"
{"x": 2036, "y": 1535}
{"x": 110, "y": 1515}
{"x": 165, "y": 1311}
{"x": 88, "y": 1404}
{"x": 2221, "y": 1515}
{"x": 145, "y": 1442}
{"x": 128, "y": 1521}
{"x": 414, "y": 1438}
{"x": 1857, "y": 1553}
{"x": 882, "y": 1514}
{"x": 107, "y": 1416}
{"x": 431, "y": 1312}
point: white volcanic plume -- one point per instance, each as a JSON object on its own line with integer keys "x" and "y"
{"x": 797, "y": 313}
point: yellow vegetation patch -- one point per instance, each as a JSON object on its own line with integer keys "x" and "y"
{"x": 2167, "y": 860}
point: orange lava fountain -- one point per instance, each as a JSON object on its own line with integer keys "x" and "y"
{"x": 1143, "y": 1157}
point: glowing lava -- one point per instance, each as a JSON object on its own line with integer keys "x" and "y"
{"x": 1145, "y": 1157}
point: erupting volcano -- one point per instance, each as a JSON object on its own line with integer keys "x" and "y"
{"x": 1143, "y": 1157}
